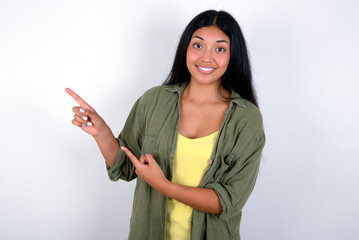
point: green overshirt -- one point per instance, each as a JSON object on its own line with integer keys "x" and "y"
{"x": 152, "y": 127}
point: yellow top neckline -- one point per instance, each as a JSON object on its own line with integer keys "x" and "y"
{"x": 208, "y": 136}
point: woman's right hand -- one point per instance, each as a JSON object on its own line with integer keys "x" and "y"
{"x": 87, "y": 118}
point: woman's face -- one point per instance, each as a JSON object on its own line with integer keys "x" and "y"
{"x": 208, "y": 55}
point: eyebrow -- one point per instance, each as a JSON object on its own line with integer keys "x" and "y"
{"x": 218, "y": 41}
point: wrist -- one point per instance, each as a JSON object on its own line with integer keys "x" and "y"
{"x": 165, "y": 187}
{"x": 169, "y": 188}
{"x": 103, "y": 135}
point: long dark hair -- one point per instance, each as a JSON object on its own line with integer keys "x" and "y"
{"x": 238, "y": 76}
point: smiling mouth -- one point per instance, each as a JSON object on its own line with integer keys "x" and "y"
{"x": 205, "y": 69}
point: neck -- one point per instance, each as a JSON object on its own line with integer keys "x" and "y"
{"x": 205, "y": 93}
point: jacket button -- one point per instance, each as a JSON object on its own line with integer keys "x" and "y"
{"x": 209, "y": 161}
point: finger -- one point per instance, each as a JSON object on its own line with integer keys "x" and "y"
{"x": 142, "y": 160}
{"x": 81, "y": 112}
{"x": 77, "y": 110}
{"x": 149, "y": 158}
{"x": 132, "y": 157}
{"x": 83, "y": 120}
{"x": 76, "y": 123}
{"x": 89, "y": 114}
{"x": 78, "y": 99}
{"x": 85, "y": 114}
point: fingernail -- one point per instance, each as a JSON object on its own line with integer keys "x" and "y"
{"x": 85, "y": 118}
{"x": 89, "y": 124}
{"x": 83, "y": 124}
{"x": 122, "y": 149}
{"x": 82, "y": 110}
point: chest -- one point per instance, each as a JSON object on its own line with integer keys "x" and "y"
{"x": 199, "y": 120}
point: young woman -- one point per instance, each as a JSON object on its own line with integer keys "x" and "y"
{"x": 194, "y": 144}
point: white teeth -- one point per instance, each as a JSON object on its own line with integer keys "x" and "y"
{"x": 206, "y": 69}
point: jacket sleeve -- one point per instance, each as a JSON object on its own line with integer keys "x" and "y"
{"x": 238, "y": 182}
{"x": 130, "y": 137}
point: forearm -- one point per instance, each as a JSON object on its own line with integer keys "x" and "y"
{"x": 108, "y": 147}
{"x": 202, "y": 199}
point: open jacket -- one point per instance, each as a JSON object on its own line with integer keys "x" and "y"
{"x": 152, "y": 127}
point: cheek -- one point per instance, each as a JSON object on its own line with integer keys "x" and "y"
{"x": 192, "y": 55}
{"x": 224, "y": 61}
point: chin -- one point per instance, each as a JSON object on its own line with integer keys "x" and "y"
{"x": 206, "y": 81}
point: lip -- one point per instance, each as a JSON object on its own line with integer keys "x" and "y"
{"x": 205, "y": 69}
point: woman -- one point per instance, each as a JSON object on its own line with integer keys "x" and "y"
{"x": 194, "y": 144}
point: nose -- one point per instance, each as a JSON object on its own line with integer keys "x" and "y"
{"x": 207, "y": 55}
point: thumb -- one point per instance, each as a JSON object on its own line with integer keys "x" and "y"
{"x": 149, "y": 158}
{"x": 143, "y": 160}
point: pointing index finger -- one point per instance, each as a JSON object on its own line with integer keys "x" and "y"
{"x": 78, "y": 99}
{"x": 130, "y": 155}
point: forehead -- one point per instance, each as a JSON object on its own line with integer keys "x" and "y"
{"x": 211, "y": 33}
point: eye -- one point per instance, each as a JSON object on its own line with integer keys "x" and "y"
{"x": 197, "y": 46}
{"x": 219, "y": 49}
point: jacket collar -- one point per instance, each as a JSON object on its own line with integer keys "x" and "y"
{"x": 179, "y": 87}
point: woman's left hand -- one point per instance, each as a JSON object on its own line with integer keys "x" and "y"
{"x": 202, "y": 199}
{"x": 148, "y": 169}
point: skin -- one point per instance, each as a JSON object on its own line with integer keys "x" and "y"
{"x": 201, "y": 100}
{"x": 209, "y": 47}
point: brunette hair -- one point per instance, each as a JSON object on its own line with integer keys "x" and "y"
{"x": 238, "y": 76}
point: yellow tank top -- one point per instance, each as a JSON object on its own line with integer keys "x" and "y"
{"x": 189, "y": 165}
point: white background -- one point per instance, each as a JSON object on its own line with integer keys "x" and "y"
{"x": 53, "y": 182}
